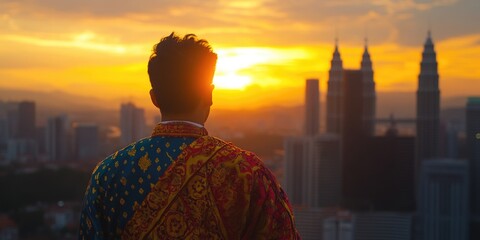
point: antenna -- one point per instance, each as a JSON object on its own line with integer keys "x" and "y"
{"x": 366, "y": 36}
{"x": 336, "y": 34}
{"x": 429, "y": 26}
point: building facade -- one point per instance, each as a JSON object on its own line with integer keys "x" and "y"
{"x": 132, "y": 123}
{"x": 473, "y": 151}
{"x": 369, "y": 94}
{"x": 86, "y": 142}
{"x": 312, "y": 107}
{"x": 444, "y": 204}
{"x": 383, "y": 225}
{"x": 428, "y": 105}
{"x": 334, "y": 92}
{"x": 58, "y": 138}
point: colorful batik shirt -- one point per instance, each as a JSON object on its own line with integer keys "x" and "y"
{"x": 121, "y": 181}
{"x": 211, "y": 190}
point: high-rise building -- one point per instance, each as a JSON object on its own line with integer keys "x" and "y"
{"x": 387, "y": 174}
{"x": 473, "y": 148}
{"x": 383, "y": 225}
{"x": 428, "y": 105}
{"x": 352, "y": 103}
{"x": 380, "y": 174}
{"x": 58, "y": 138}
{"x": 17, "y": 140}
{"x": 3, "y": 133}
{"x": 26, "y": 120}
{"x": 312, "y": 161}
{"x": 132, "y": 123}
{"x": 312, "y": 107}
{"x": 309, "y": 222}
{"x": 11, "y": 112}
{"x": 313, "y": 170}
{"x": 339, "y": 227}
{"x": 369, "y": 95}
{"x": 351, "y": 133}
{"x": 316, "y": 223}
{"x": 444, "y": 208}
{"x": 328, "y": 175}
{"x": 295, "y": 158}
{"x": 86, "y": 142}
{"x": 334, "y": 92}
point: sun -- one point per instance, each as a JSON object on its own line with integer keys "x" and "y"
{"x": 233, "y": 66}
{"x": 237, "y": 68}
{"x": 231, "y": 81}
{"x": 229, "y": 66}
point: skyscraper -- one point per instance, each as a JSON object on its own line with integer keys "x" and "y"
{"x": 334, "y": 92}
{"x": 312, "y": 107}
{"x": 369, "y": 95}
{"x": 328, "y": 175}
{"x": 58, "y": 138}
{"x": 444, "y": 208}
{"x": 313, "y": 170}
{"x": 86, "y": 142}
{"x": 26, "y": 120}
{"x": 473, "y": 146}
{"x": 295, "y": 157}
{"x": 383, "y": 225}
{"x": 132, "y": 123}
{"x": 352, "y": 103}
{"x": 339, "y": 227}
{"x": 428, "y": 105}
{"x": 351, "y": 133}
{"x": 312, "y": 161}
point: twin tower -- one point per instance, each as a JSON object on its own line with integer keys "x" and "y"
{"x": 354, "y": 89}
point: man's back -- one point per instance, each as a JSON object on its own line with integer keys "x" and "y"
{"x": 181, "y": 183}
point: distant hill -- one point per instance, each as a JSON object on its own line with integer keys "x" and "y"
{"x": 54, "y": 100}
{"x": 81, "y": 108}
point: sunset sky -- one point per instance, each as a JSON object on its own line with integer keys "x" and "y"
{"x": 266, "y": 48}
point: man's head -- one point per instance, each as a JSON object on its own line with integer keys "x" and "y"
{"x": 181, "y": 72}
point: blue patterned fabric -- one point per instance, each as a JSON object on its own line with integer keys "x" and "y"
{"x": 121, "y": 182}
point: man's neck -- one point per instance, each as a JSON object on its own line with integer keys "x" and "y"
{"x": 182, "y": 121}
{"x": 179, "y": 118}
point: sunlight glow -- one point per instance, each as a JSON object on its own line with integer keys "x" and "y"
{"x": 82, "y": 41}
{"x": 234, "y": 64}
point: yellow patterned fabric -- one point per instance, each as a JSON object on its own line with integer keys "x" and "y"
{"x": 212, "y": 190}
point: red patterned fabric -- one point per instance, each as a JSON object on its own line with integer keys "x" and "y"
{"x": 214, "y": 190}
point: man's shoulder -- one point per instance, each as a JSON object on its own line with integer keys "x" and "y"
{"x": 124, "y": 155}
{"x": 231, "y": 155}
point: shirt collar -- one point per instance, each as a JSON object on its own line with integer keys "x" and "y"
{"x": 182, "y": 121}
{"x": 179, "y": 129}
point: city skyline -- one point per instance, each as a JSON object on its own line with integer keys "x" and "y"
{"x": 256, "y": 59}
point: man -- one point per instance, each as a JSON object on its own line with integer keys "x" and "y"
{"x": 181, "y": 183}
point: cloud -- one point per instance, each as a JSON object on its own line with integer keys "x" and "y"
{"x": 84, "y": 41}
{"x": 247, "y": 23}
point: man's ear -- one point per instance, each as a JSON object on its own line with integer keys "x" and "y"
{"x": 210, "y": 94}
{"x": 153, "y": 98}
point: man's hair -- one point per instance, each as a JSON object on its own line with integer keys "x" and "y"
{"x": 181, "y": 72}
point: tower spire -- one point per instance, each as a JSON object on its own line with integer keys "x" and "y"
{"x": 428, "y": 104}
{"x": 336, "y": 36}
{"x": 369, "y": 95}
{"x": 334, "y": 94}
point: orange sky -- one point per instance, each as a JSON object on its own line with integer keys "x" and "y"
{"x": 266, "y": 48}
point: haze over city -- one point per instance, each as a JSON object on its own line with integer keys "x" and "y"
{"x": 366, "y": 112}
